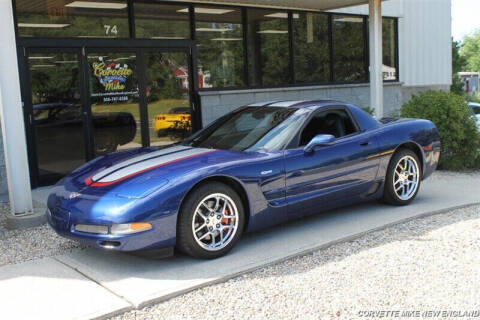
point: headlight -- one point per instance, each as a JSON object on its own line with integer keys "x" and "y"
{"x": 116, "y": 229}
{"x": 91, "y": 228}
{"x": 128, "y": 228}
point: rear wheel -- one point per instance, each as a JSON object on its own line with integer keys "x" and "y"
{"x": 210, "y": 221}
{"x": 403, "y": 178}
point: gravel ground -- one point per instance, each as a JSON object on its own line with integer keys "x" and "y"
{"x": 425, "y": 264}
{"x": 21, "y": 245}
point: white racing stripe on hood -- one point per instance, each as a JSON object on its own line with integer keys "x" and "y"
{"x": 150, "y": 163}
{"x": 134, "y": 160}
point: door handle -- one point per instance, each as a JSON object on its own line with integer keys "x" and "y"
{"x": 364, "y": 143}
{"x": 298, "y": 173}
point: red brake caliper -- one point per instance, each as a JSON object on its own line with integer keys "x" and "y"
{"x": 226, "y": 220}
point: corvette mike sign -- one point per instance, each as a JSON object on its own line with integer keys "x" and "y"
{"x": 114, "y": 79}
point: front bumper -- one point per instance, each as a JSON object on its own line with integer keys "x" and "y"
{"x": 63, "y": 222}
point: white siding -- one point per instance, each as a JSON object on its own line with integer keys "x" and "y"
{"x": 425, "y": 54}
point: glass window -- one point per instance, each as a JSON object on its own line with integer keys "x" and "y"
{"x": 219, "y": 35}
{"x": 389, "y": 50}
{"x": 268, "y": 47}
{"x": 114, "y": 100}
{"x": 167, "y": 91}
{"x": 251, "y": 128}
{"x": 336, "y": 123}
{"x": 349, "y": 48}
{"x": 57, "y": 114}
{"x": 157, "y": 21}
{"x": 312, "y": 56}
{"x": 72, "y": 18}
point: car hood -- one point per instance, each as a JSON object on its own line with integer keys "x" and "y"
{"x": 136, "y": 173}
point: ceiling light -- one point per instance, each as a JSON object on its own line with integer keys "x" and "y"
{"x": 43, "y": 25}
{"x": 349, "y": 19}
{"x": 226, "y": 39}
{"x": 43, "y": 65}
{"x": 208, "y": 10}
{"x": 273, "y": 31}
{"x": 214, "y": 29}
{"x": 96, "y": 5}
{"x": 172, "y": 38}
{"x": 281, "y": 15}
{"x": 39, "y": 57}
{"x": 108, "y": 37}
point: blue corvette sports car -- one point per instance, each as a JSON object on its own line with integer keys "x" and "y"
{"x": 257, "y": 166}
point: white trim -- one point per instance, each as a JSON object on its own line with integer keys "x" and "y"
{"x": 292, "y": 88}
{"x": 11, "y": 117}
{"x": 375, "y": 48}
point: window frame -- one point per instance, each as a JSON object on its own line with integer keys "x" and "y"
{"x": 132, "y": 40}
{"x": 295, "y": 141}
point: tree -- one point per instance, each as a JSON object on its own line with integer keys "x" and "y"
{"x": 458, "y": 64}
{"x": 470, "y": 51}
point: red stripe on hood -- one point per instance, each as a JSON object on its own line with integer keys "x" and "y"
{"x": 91, "y": 183}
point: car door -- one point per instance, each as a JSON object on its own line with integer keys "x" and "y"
{"x": 330, "y": 173}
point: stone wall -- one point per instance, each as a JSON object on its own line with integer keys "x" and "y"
{"x": 217, "y": 103}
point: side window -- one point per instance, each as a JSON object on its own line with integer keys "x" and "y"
{"x": 476, "y": 110}
{"x": 335, "y": 122}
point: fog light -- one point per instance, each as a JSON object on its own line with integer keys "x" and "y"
{"x": 91, "y": 228}
{"x": 127, "y": 228}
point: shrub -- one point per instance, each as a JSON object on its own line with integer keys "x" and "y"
{"x": 369, "y": 110}
{"x": 458, "y": 133}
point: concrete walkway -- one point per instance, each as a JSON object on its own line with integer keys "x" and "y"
{"x": 91, "y": 283}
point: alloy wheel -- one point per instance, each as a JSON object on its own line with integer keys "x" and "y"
{"x": 406, "y": 178}
{"x": 215, "y": 222}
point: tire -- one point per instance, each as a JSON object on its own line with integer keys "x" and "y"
{"x": 403, "y": 178}
{"x": 196, "y": 214}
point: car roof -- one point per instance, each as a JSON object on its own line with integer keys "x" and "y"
{"x": 306, "y": 104}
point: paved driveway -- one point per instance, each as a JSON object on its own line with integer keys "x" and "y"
{"x": 93, "y": 283}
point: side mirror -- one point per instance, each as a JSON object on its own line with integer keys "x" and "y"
{"x": 319, "y": 140}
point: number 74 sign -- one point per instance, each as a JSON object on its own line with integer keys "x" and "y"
{"x": 109, "y": 29}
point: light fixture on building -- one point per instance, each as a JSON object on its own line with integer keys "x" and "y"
{"x": 96, "y": 5}
{"x": 207, "y": 10}
{"x": 214, "y": 29}
{"x": 43, "y": 25}
{"x": 40, "y": 57}
{"x": 226, "y": 39}
{"x": 43, "y": 65}
{"x": 283, "y": 15}
{"x": 273, "y": 31}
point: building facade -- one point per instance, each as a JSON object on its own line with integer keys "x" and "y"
{"x": 103, "y": 75}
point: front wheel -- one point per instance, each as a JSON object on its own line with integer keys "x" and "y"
{"x": 403, "y": 178}
{"x": 210, "y": 221}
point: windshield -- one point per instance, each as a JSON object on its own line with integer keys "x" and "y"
{"x": 250, "y": 128}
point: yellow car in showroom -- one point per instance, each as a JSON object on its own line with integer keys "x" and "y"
{"x": 176, "y": 120}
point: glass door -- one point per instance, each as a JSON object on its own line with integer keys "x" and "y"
{"x": 57, "y": 127}
{"x": 167, "y": 90}
{"x": 114, "y": 100}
